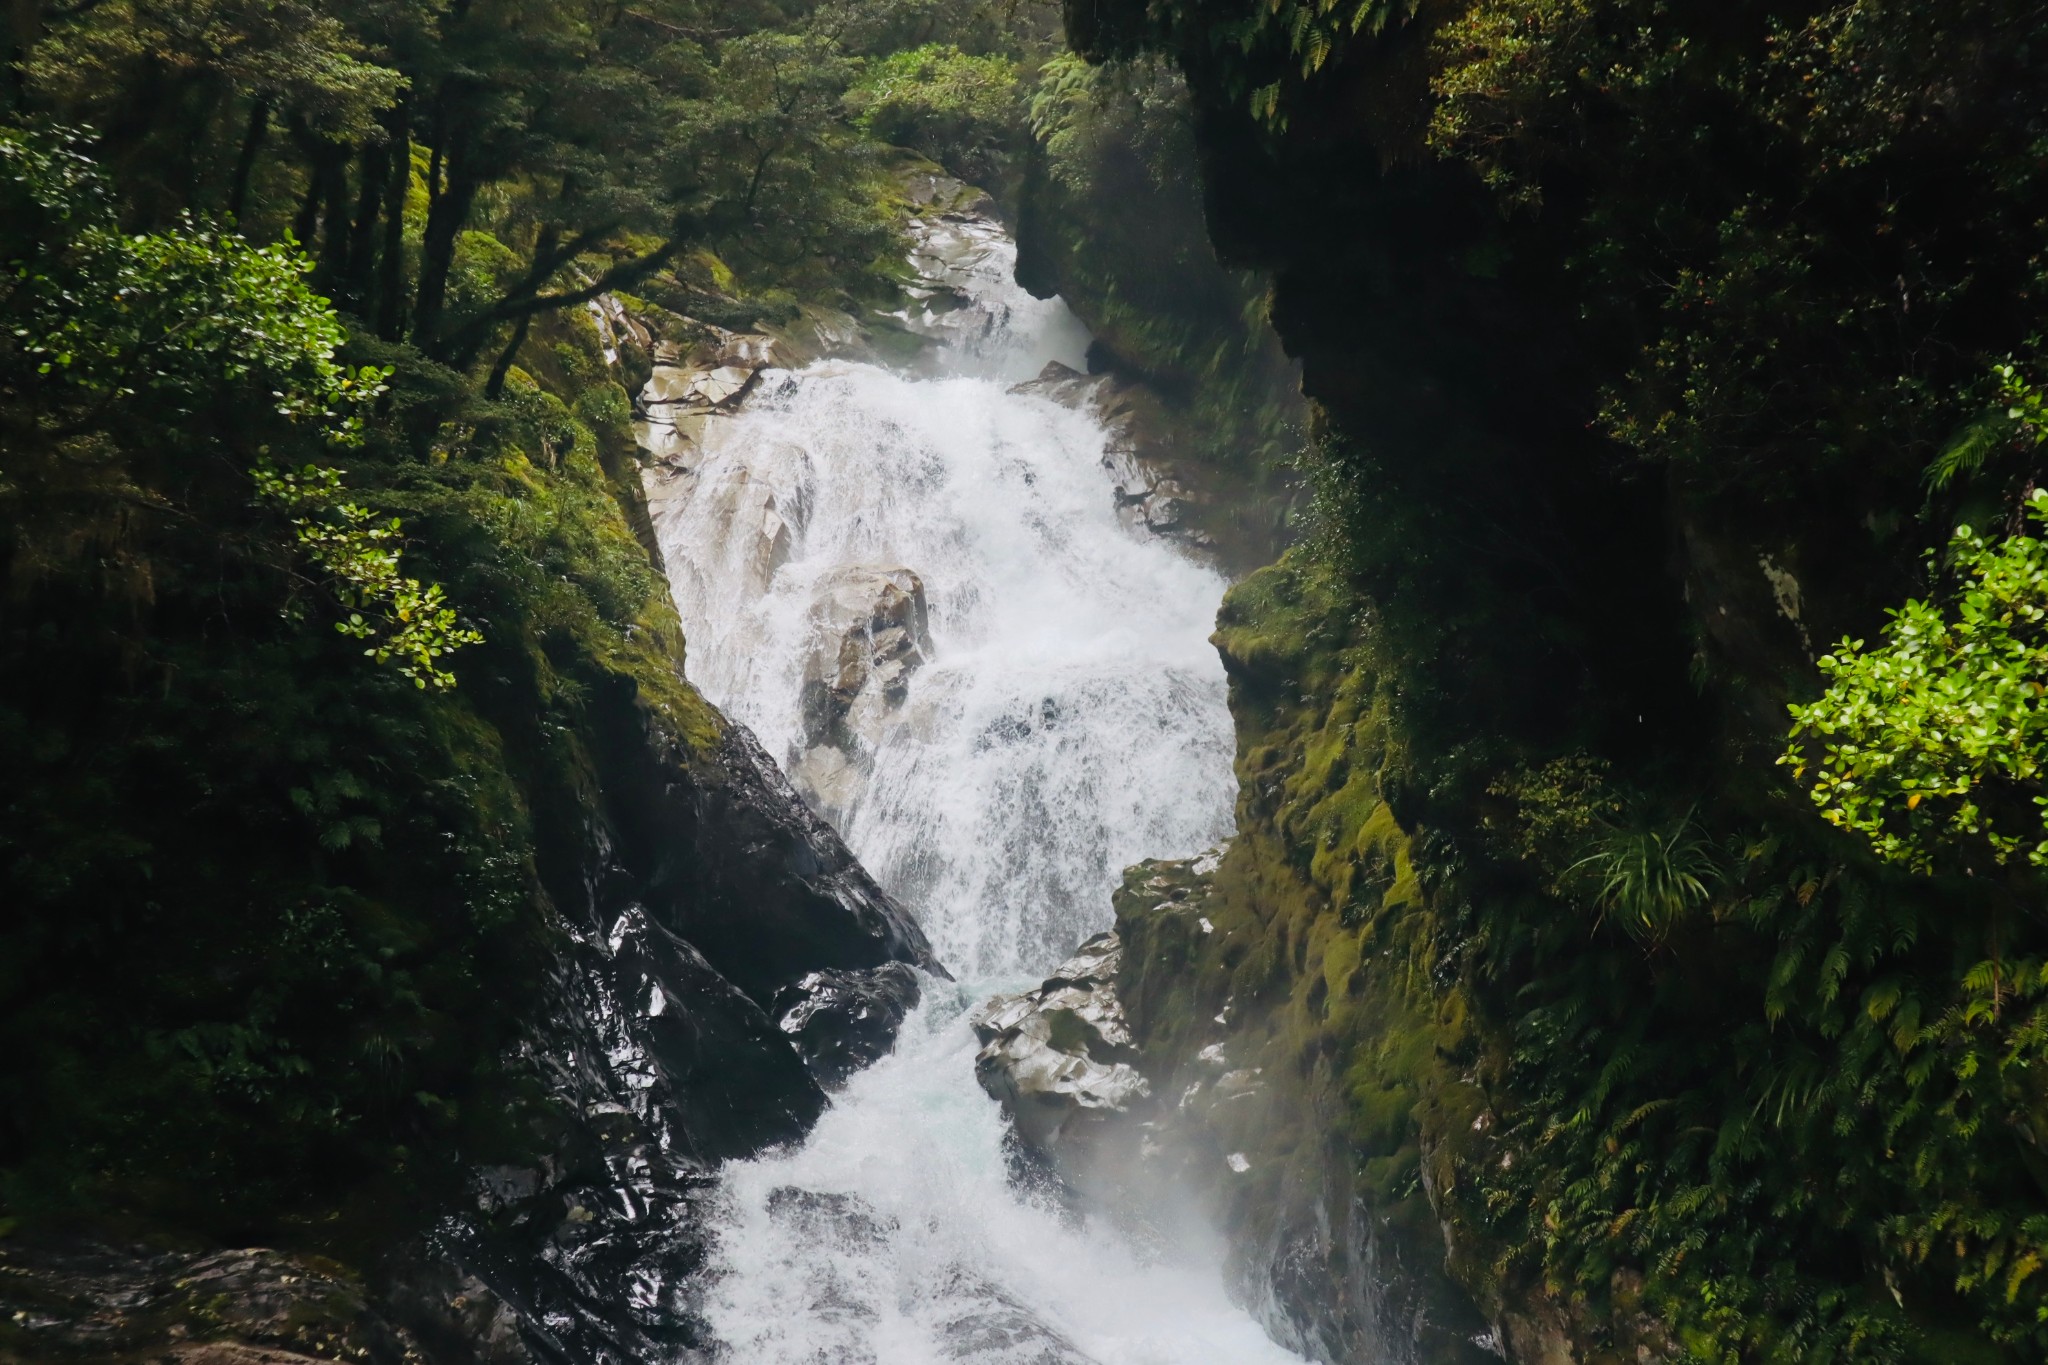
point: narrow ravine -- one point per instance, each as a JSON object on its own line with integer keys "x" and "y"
{"x": 914, "y": 586}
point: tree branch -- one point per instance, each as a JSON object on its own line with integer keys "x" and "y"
{"x": 523, "y": 304}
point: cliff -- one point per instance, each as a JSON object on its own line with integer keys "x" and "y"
{"x": 1632, "y": 337}
{"x": 451, "y": 995}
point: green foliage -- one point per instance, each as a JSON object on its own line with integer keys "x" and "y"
{"x": 2021, "y": 424}
{"x": 1648, "y": 876}
{"x": 274, "y": 917}
{"x": 1733, "y": 276}
{"x": 780, "y": 176}
{"x": 1931, "y": 744}
{"x": 1595, "y": 1124}
{"x": 305, "y": 57}
{"x": 100, "y": 317}
{"x": 412, "y": 624}
{"x": 958, "y": 109}
{"x": 109, "y": 326}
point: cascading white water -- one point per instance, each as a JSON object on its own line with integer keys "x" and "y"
{"x": 1069, "y": 720}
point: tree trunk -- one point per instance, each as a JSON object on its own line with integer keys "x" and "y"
{"x": 448, "y": 208}
{"x": 507, "y": 356}
{"x": 24, "y": 31}
{"x": 362, "y": 243}
{"x": 391, "y": 266}
{"x": 245, "y": 160}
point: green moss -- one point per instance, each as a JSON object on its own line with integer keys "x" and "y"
{"x": 282, "y": 917}
{"x": 1320, "y": 929}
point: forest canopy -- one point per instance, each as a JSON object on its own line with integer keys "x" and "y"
{"x": 317, "y": 545}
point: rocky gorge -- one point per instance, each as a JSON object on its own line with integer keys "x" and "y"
{"x": 1387, "y": 708}
{"x": 721, "y": 963}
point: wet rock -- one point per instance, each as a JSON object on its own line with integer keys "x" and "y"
{"x": 842, "y": 1021}
{"x": 776, "y": 893}
{"x": 707, "y": 887}
{"x": 1057, "y": 1058}
{"x": 1151, "y": 492}
{"x": 1165, "y": 513}
{"x": 625, "y": 340}
{"x": 977, "y": 1321}
{"x": 847, "y": 1220}
{"x": 1331, "y": 1267}
{"x": 748, "y": 513}
{"x": 872, "y": 631}
{"x": 698, "y": 1064}
{"x": 1063, "y": 384}
{"x": 938, "y": 193}
{"x": 660, "y": 1067}
{"x": 688, "y": 385}
{"x": 672, "y": 388}
{"x": 829, "y": 779}
{"x": 88, "y": 1300}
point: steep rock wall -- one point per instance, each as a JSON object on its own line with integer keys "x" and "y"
{"x": 1616, "y": 429}
{"x": 640, "y": 897}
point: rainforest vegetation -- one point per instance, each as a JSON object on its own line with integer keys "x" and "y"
{"x": 1660, "y": 682}
{"x": 320, "y": 527}
{"x": 1678, "y": 377}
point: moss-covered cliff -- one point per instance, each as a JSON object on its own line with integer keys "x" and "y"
{"x": 1636, "y": 335}
{"x": 1109, "y": 217}
{"x": 378, "y": 888}
{"x": 1293, "y": 1000}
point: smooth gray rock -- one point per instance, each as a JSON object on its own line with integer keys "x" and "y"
{"x": 1056, "y": 1058}
{"x": 872, "y": 631}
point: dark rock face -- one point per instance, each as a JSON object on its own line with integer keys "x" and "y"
{"x": 710, "y": 888}
{"x": 654, "y": 1032}
{"x": 841, "y": 1021}
{"x": 769, "y": 893}
{"x": 702, "y": 891}
{"x": 90, "y": 1301}
{"x": 661, "y": 1067}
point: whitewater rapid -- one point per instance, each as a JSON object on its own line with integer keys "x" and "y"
{"x": 1070, "y": 720}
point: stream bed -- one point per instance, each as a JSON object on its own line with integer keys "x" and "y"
{"x": 913, "y": 585}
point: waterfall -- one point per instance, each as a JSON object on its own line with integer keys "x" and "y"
{"x": 913, "y": 585}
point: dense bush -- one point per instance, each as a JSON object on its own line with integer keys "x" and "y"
{"x": 1652, "y": 345}
{"x": 317, "y": 554}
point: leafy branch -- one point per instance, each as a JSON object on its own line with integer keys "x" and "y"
{"x": 400, "y": 618}
{"x": 1937, "y": 737}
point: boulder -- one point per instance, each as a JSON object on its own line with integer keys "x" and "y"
{"x": 841, "y": 1021}
{"x": 688, "y": 385}
{"x": 775, "y": 893}
{"x": 871, "y": 629}
{"x": 1058, "y": 1058}
{"x": 676, "y": 387}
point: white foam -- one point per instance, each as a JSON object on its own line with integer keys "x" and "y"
{"x": 1071, "y": 721}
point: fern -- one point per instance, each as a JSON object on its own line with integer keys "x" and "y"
{"x": 2021, "y": 424}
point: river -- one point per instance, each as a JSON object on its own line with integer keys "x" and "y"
{"x": 1063, "y": 717}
